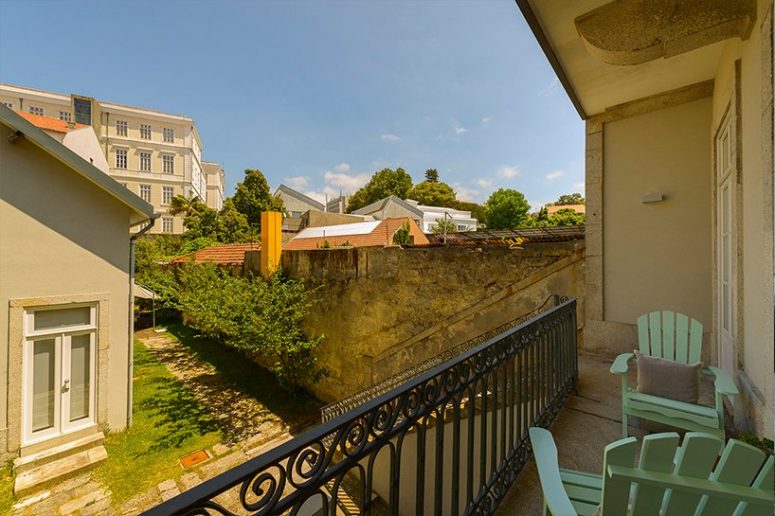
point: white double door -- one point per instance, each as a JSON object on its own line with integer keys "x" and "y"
{"x": 58, "y": 384}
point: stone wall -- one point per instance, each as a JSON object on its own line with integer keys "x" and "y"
{"x": 382, "y": 310}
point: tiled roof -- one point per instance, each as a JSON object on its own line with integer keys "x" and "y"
{"x": 381, "y": 235}
{"x": 226, "y": 254}
{"x": 48, "y": 123}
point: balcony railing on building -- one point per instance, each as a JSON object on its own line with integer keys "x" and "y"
{"x": 451, "y": 440}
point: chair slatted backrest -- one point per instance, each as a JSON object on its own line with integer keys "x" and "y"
{"x": 670, "y": 335}
{"x": 741, "y": 482}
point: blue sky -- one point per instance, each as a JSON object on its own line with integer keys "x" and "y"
{"x": 320, "y": 94}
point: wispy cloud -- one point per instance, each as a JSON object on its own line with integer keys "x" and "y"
{"x": 536, "y": 205}
{"x": 339, "y": 180}
{"x": 487, "y": 120}
{"x": 459, "y": 130}
{"x": 296, "y": 181}
{"x": 580, "y": 186}
{"x": 509, "y": 171}
{"x": 482, "y": 182}
{"x": 390, "y": 138}
{"x": 555, "y": 175}
{"x": 342, "y": 167}
{"x": 466, "y": 194}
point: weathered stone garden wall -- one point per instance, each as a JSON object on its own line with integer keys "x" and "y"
{"x": 383, "y": 310}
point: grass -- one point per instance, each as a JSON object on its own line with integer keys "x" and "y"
{"x": 298, "y": 411}
{"x": 7, "y": 498}
{"x": 168, "y": 423}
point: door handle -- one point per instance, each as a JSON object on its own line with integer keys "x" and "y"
{"x": 66, "y": 385}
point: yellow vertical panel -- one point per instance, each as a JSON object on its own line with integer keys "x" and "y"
{"x": 271, "y": 241}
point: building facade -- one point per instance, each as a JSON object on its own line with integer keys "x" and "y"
{"x": 64, "y": 291}
{"x": 153, "y": 154}
{"x": 216, "y": 181}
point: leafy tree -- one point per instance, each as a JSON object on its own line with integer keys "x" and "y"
{"x": 253, "y": 196}
{"x": 566, "y": 217}
{"x": 574, "y": 198}
{"x": 383, "y": 184}
{"x": 260, "y": 318}
{"x": 404, "y": 235}
{"x": 233, "y": 226}
{"x": 432, "y": 175}
{"x": 506, "y": 209}
{"x": 444, "y": 226}
{"x": 433, "y": 193}
{"x": 478, "y": 211}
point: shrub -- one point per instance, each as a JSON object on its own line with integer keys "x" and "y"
{"x": 260, "y": 318}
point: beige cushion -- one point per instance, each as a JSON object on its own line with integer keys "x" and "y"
{"x": 668, "y": 379}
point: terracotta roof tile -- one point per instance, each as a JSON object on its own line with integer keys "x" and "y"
{"x": 48, "y": 123}
{"x": 226, "y": 254}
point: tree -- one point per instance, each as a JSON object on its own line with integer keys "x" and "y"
{"x": 383, "y": 184}
{"x": 444, "y": 226}
{"x": 403, "y": 236}
{"x": 432, "y": 175}
{"x": 566, "y": 217}
{"x": 506, "y": 209}
{"x": 253, "y": 196}
{"x": 233, "y": 226}
{"x": 260, "y": 318}
{"x": 433, "y": 193}
{"x": 478, "y": 211}
{"x": 564, "y": 200}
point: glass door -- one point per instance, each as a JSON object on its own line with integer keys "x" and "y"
{"x": 59, "y": 370}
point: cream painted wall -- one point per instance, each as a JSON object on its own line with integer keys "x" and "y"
{"x": 658, "y": 256}
{"x": 84, "y": 143}
{"x": 68, "y": 238}
{"x": 756, "y": 354}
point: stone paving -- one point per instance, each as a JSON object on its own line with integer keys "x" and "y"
{"x": 250, "y": 430}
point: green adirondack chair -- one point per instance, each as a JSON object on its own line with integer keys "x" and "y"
{"x": 673, "y": 336}
{"x": 666, "y": 480}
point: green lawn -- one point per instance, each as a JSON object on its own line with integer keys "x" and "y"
{"x": 298, "y": 411}
{"x": 168, "y": 423}
{"x": 7, "y": 498}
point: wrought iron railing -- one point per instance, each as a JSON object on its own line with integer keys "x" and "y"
{"x": 341, "y": 406}
{"x": 450, "y": 441}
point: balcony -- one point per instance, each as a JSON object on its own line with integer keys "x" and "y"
{"x": 449, "y": 441}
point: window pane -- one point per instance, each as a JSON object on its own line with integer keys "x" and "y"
{"x": 52, "y": 319}
{"x": 43, "y": 363}
{"x": 80, "y": 376}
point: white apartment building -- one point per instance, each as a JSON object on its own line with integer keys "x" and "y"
{"x": 431, "y": 215}
{"x": 155, "y": 155}
{"x": 216, "y": 181}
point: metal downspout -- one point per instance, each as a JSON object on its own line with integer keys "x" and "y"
{"x": 131, "y": 325}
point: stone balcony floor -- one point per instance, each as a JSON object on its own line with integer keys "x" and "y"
{"x": 590, "y": 420}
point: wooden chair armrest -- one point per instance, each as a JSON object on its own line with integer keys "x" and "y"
{"x": 723, "y": 383}
{"x": 545, "y": 453}
{"x": 621, "y": 364}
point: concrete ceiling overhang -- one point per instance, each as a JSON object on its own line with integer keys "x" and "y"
{"x": 628, "y": 32}
{"x": 682, "y": 49}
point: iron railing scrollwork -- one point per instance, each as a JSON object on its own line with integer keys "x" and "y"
{"x": 449, "y": 441}
{"x": 341, "y": 406}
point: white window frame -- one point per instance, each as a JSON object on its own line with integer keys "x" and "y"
{"x": 145, "y": 128}
{"x": 122, "y": 159}
{"x": 35, "y": 110}
{"x": 165, "y": 221}
{"x": 168, "y": 134}
{"x": 145, "y": 160}
{"x": 145, "y": 188}
{"x": 122, "y": 128}
{"x": 168, "y": 163}
{"x": 62, "y": 341}
{"x": 167, "y": 193}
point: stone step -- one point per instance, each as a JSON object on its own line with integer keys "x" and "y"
{"x": 28, "y": 462}
{"x": 58, "y": 470}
